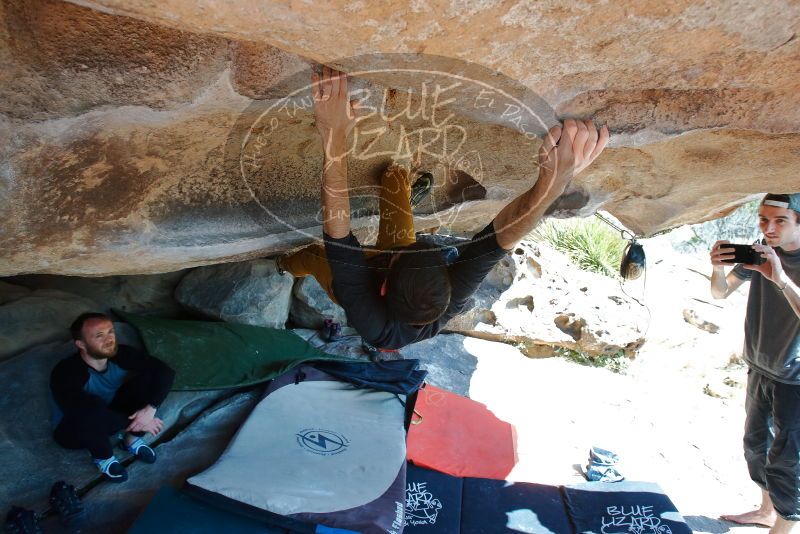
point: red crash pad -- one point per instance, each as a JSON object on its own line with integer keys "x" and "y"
{"x": 460, "y": 437}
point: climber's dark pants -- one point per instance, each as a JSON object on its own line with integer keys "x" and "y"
{"x": 772, "y": 441}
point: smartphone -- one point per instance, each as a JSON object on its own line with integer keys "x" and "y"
{"x": 743, "y": 254}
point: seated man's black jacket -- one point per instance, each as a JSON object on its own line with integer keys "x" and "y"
{"x": 70, "y": 375}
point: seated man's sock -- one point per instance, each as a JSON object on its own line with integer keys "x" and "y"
{"x": 139, "y": 448}
{"x": 112, "y": 469}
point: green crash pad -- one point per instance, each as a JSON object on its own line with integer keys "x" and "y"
{"x": 216, "y": 355}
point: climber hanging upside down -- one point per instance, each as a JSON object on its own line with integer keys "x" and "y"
{"x": 402, "y": 291}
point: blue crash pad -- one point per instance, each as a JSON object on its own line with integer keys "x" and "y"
{"x": 622, "y": 508}
{"x": 172, "y": 512}
{"x": 494, "y": 506}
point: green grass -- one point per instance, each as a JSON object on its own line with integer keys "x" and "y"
{"x": 589, "y": 243}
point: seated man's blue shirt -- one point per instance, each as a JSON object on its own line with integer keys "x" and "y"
{"x": 104, "y": 385}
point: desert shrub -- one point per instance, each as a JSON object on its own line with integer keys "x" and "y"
{"x": 589, "y": 243}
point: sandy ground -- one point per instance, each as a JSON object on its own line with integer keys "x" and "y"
{"x": 675, "y": 418}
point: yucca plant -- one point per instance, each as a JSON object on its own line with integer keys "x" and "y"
{"x": 589, "y": 243}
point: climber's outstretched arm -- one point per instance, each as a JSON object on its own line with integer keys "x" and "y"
{"x": 565, "y": 152}
{"x": 335, "y": 118}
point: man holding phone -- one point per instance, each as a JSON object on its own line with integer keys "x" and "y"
{"x": 772, "y": 353}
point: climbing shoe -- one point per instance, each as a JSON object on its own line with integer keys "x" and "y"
{"x": 141, "y": 450}
{"x": 602, "y": 466}
{"x": 421, "y": 188}
{"x": 331, "y": 330}
{"x": 64, "y": 500}
{"x": 112, "y": 469}
{"x": 22, "y": 521}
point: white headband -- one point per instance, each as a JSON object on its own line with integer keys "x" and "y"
{"x": 776, "y": 203}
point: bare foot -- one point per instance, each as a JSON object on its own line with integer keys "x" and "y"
{"x": 756, "y": 517}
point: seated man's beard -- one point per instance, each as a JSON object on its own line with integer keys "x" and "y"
{"x": 103, "y": 353}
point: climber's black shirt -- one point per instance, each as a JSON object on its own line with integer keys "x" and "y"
{"x": 357, "y": 281}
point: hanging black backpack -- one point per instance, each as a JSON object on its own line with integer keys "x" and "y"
{"x": 633, "y": 261}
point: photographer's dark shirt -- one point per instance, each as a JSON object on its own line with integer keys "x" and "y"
{"x": 771, "y": 326}
{"x": 357, "y": 281}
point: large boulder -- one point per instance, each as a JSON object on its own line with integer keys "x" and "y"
{"x": 450, "y": 366}
{"x": 145, "y": 137}
{"x": 38, "y": 309}
{"x": 149, "y": 294}
{"x": 39, "y": 317}
{"x": 9, "y": 292}
{"x": 311, "y": 305}
{"x": 349, "y": 345}
{"x": 251, "y": 292}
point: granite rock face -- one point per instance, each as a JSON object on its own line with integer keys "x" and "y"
{"x": 311, "y": 305}
{"x": 143, "y": 137}
{"x": 44, "y": 315}
{"x": 251, "y": 293}
{"x": 39, "y": 309}
{"x": 150, "y": 294}
{"x": 10, "y": 292}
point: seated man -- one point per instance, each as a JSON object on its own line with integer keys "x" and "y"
{"x": 404, "y": 291}
{"x": 104, "y": 388}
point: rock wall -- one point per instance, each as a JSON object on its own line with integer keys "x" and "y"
{"x": 126, "y": 126}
